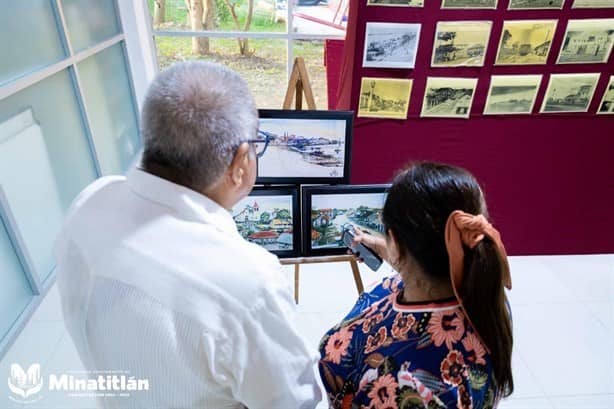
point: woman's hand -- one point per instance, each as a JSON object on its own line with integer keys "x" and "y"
{"x": 375, "y": 243}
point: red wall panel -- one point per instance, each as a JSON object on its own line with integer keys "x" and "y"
{"x": 548, "y": 178}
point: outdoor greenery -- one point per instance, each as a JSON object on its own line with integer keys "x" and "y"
{"x": 264, "y": 66}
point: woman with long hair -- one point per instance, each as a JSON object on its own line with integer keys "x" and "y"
{"x": 438, "y": 334}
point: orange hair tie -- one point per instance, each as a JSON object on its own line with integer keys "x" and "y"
{"x": 469, "y": 230}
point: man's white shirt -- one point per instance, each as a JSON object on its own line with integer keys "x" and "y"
{"x": 156, "y": 280}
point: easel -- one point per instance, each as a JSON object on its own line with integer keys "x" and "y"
{"x": 325, "y": 259}
{"x": 297, "y": 85}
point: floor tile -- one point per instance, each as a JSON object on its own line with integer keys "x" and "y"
{"x": 534, "y": 403}
{"x": 566, "y": 348}
{"x": 583, "y": 402}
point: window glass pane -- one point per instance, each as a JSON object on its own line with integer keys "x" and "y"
{"x": 15, "y": 291}
{"x": 313, "y": 53}
{"x": 264, "y": 68}
{"x": 45, "y": 161}
{"x": 214, "y": 15}
{"x": 111, "y": 111}
{"x": 90, "y": 21}
{"x": 320, "y": 17}
{"x": 33, "y": 23}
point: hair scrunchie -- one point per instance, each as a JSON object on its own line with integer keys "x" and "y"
{"x": 469, "y": 230}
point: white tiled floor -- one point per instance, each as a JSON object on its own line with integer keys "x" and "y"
{"x": 563, "y": 327}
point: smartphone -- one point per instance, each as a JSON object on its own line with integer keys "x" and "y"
{"x": 370, "y": 257}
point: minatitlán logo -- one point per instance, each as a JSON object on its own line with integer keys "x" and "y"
{"x": 25, "y": 384}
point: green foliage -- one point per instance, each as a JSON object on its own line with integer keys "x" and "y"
{"x": 265, "y": 218}
{"x": 222, "y": 14}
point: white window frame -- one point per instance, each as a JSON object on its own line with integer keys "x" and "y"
{"x": 288, "y": 35}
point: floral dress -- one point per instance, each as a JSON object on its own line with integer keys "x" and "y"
{"x": 388, "y": 355}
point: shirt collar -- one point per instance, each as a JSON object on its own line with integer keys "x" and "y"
{"x": 188, "y": 203}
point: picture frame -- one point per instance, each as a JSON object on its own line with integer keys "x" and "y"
{"x": 259, "y": 219}
{"x": 391, "y": 45}
{"x": 322, "y": 222}
{"x": 606, "y": 107}
{"x": 536, "y": 4}
{"x": 309, "y": 147}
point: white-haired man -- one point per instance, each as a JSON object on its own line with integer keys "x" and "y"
{"x": 156, "y": 281}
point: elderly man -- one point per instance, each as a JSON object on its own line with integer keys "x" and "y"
{"x": 156, "y": 281}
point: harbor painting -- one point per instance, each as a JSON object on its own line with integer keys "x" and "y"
{"x": 570, "y": 92}
{"x": 303, "y": 148}
{"x": 331, "y": 212}
{"x": 267, "y": 220}
{"x": 391, "y": 45}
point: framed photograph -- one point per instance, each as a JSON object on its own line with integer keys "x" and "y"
{"x": 607, "y": 103}
{"x": 512, "y": 94}
{"x": 305, "y": 147}
{"x": 270, "y": 217}
{"x": 448, "y": 97}
{"x": 587, "y": 41}
{"x": 593, "y": 4}
{"x": 384, "y": 98}
{"x": 536, "y": 4}
{"x": 469, "y": 4}
{"x": 525, "y": 42}
{"x": 570, "y": 92}
{"x": 461, "y": 43}
{"x": 396, "y": 3}
{"x": 327, "y": 209}
{"x": 391, "y": 45}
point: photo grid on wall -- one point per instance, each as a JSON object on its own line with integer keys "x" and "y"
{"x": 541, "y": 57}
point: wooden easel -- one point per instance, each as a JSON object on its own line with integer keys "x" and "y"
{"x": 325, "y": 259}
{"x": 297, "y": 85}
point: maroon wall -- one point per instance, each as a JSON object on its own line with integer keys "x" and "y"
{"x": 548, "y": 178}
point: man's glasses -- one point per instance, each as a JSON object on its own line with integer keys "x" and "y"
{"x": 260, "y": 144}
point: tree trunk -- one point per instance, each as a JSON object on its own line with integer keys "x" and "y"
{"x": 200, "y": 45}
{"x": 243, "y": 42}
{"x": 159, "y": 12}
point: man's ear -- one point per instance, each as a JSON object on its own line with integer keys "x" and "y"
{"x": 239, "y": 164}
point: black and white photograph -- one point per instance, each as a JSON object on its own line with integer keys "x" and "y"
{"x": 570, "y": 92}
{"x": 461, "y": 43}
{"x": 469, "y": 4}
{"x": 525, "y": 42}
{"x": 304, "y": 146}
{"x": 512, "y": 94}
{"x": 607, "y": 103}
{"x": 448, "y": 97}
{"x": 270, "y": 217}
{"x": 593, "y": 4}
{"x": 328, "y": 210}
{"x": 384, "y": 98}
{"x": 587, "y": 41}
{"x": 536, "y": 4}
{"x": 391, "y": 45}
{"x": 396, "y": 3}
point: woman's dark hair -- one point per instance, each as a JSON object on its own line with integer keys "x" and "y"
{"x": 417, "y": 207}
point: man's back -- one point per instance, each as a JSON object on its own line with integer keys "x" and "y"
{"x": 155, "y": 280}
